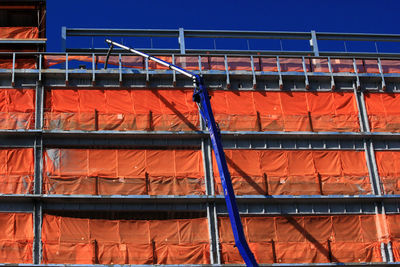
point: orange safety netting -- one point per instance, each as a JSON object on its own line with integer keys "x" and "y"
{"x": 388, "y": 163}
{"x": 26, "y": 63}
{"x": 121, "y": 110}
{"x": 296, "y": 172}
{"x": 16, "y": 170}
{"x": 19, "y": 32}
{"x": 87, "y": 241}
{"x": 383, "y": 111}
{"x": 266, "y": 64}
{"x": 17, "y": 108}
{"x": 393, "y": 223}
{"x": 308, "y": 239}
{"x": 285, "y": 64}
{"x": 123, "y": 172}
{"x": 16, "y": 237}
{"x": 390, "y": 66}
{"x": 281, "y": 111}
{"x": 52, "y": 60}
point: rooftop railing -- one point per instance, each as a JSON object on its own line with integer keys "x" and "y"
{"x": 184, "y": 36}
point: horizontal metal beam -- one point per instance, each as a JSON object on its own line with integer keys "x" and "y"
{"x": 233, "y": 34}
{"x": 23, "y": 41}
{"x": 374, "y": 37}
{"x": 121, "y": 32}
{"x": 234, "y": 140}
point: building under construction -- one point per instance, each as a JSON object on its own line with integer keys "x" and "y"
{"x": 106, "y": 160}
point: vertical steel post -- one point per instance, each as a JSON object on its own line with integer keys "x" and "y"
{"x": 64, "y": 38}
{"x": 228, "y": 82}
{"x": 181, "y": 40}
{"x": 253, "y": 72}
{"x": 66, "y": 69}
{"x": 13, "y": 70}
{"x": 37, "y": 231}
{"x": 314, "y": 43}
{"x": 173, "y": 72}
{"x": 93, "y": 70}
{"x": 307, "y": 84}
{"x": 333, "y": 86}
{"x": 40, "y": 68}
{"x": 356, "y": 72}
{"x": 278, "y": 65}
{"x": 120, "y": 69}
{"x": 382, "y": 75}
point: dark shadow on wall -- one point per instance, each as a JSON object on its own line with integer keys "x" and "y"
{"x": 181, "y": 116}
{"x": 247, "y": 177}
{"x": 326, "y": 252}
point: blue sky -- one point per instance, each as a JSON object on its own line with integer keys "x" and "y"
{"x": 327, "y": 16}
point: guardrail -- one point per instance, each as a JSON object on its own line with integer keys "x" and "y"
{"x": 182, "y": 35}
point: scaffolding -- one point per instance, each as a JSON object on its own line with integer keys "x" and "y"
{"x": 311, "y": 139}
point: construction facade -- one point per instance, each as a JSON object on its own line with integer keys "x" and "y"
{"x": 106, "y": 160}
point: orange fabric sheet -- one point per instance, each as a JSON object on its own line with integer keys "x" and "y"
{"x": 293, "y": 64}
{"x": 296, "y": 172}
{"x": 52, "y": 60}
{"x": 88, "y": 241}
{"x": 218, "y": 63}
{"x": 390, "y": 66}
{"x": 16, "y": 237}
{"x": 383, "y": 111}
{"x": 239, "y": 63}
{"x": 123, "y": 172}
{"x": 267, "y": 64}
{"x": 17, "y": 107}
{"x": 121, "y": 110}
{"x": 280, "y": 111}
{"x": 309, "y": 239}
{"x": 191, "y": 62}
{"x": 393, "y": 223}
{"x": 19, "y": 32}
{"x": 27, "y": 63}
{"x": 16, "y": 171}
{"x": 388, "y": 163}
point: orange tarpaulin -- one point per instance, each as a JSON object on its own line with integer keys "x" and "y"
{"x": 296, "y": 172}
{"x": 393, "y": 223}
{"x": 19, "y": 32}
{"x": 16, "y": 171}
{"x": 16, "y": 237}
{"x": 121, "y": 110}
{"x": 52, "y": 60}
{"x": 26, "y": 63}
{"x": 174, "y": 110}
{"x": 390, "y": 66}
{"x": 267, "y": 64}
{"x": 280, "y": 111}
{"x": 383, "y": 111}
{"x": 308, "y": 239}
{"x": 17, "y": 109}
{"x": 191, "y": 62}
{"x": 87, "y": 241}
{"x": 388, "y": 163}
{"x": 123, "y": 172}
